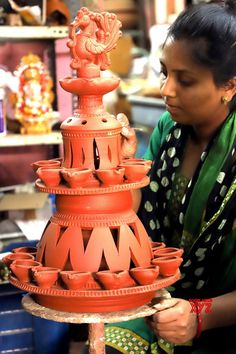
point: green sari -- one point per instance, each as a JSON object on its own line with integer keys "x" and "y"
{"x": 207, "y": 216}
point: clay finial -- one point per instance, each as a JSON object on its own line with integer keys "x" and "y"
{"x": 98, "y": 34}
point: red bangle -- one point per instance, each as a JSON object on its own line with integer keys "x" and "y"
{"x": 199, "y": 322}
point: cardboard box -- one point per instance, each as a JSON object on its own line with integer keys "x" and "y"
{"x": 22, "y": 201}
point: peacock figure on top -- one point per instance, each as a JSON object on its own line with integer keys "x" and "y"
{"x": 92, "y": 35}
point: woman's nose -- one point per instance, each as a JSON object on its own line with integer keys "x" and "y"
{"x": 167, "y": 87}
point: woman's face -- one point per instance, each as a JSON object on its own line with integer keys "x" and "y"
{"x": 188, "y": 89}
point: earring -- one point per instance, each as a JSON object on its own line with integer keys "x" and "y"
{"x": 225, "y": 100}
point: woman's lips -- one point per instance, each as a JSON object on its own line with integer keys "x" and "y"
{"x": 172, "y": 109}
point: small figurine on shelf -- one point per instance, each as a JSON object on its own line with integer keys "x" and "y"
{"x": 35, "y": 96}
{"x": 57, "y": 13}
{"x": 27, "y": 15}
{"x": 4, "y": 272}
{"x": 8, "y": 83}
{"x": 2, "y": 17}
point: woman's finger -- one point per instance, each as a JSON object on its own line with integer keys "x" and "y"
{"x": 164, "y": 304}
{"x": 124, "y": 121}
{"x": 126, "y": 130}
{"x": 129, "y": 139}
{"x": 170, "y": 326}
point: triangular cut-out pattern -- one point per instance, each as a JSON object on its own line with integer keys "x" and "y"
{"x": 62, "y": 230}
{"x": 114, "y": 248}
{"x": 56, "y": 251}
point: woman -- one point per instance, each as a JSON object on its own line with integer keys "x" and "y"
{"x": 191, "y": 199}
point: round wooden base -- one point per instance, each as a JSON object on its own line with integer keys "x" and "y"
{"x": 95, "y": 321}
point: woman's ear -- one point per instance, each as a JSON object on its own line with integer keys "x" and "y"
{"x": 230, "y": 89}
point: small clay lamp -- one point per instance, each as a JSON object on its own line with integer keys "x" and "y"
{"x": 115, "y": 280}
{"x": 157, "y": 246}
{"x": 168, "y": 251}
{"x": 111, "y": 176}
{"x": 168, "y": 265}
{"x": 22, "y": 269}
{"x": 136, "y": 171}
{"x": 45, "y": 277}
{"x": 132, "y": 161}
{"x": 76, "y": 177}
{"x": 29, "y": 250}
{"x": 74, "y": 280}
{"x": 145, "y": 276}
{"x": 51, "y": 177}
{"x": 46, "y": 163}
{"x": 8, "y": 259}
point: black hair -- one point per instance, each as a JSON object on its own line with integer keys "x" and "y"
{"x": 210, "y": 30}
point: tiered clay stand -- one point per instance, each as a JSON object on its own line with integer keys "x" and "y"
{"x": 94, "y": 228}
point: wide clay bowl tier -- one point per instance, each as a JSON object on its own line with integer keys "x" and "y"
{"x": 65, "y": 190}
{"x": 95, "y": 86}
{"x": 90, "y": 301}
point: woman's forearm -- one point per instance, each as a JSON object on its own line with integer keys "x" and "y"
{"x": 222, "y": 312}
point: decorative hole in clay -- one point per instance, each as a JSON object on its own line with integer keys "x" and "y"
{"x": 109, "y": 154}
{"x": 83, "y": 156}
{"x": 96, "y": 155}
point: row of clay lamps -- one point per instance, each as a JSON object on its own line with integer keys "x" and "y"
{"x": 52, "y": 174}
{"x": 22, "y": 263}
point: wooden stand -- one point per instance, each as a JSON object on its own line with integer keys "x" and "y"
{"x": 95, "y": 321}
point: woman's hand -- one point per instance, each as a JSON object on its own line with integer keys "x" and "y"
{"x": 129, "y": 139}
{"x": 174, "y": 321}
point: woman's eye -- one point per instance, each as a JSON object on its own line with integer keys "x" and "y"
{"x": 186, "y": 82}
{"x": 163, "y": 73}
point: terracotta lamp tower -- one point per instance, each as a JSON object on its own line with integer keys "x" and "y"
{"x": 94, "y": 244}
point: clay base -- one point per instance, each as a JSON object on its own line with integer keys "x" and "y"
{"x": 86, "y": 304}
{"x": 91, "y": 301}
{"x": 91, "y": 318}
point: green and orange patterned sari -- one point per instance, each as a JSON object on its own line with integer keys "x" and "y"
{"x": 203, "y": 212}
